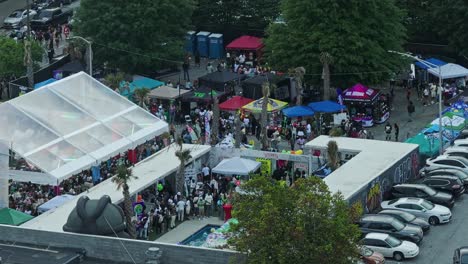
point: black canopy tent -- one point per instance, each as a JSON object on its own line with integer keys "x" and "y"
{"x": 218, "y": 80}
{"x": 252, "y": 87}
{"x": 203, "y": 94}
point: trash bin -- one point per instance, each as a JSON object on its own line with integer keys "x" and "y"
{"x": 202, "y": 43}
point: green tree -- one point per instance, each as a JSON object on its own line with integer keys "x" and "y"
{"x": 135, "y": 35}
{"x": 12, "y": 59}
{"x": 356, "y": 34}
{"x": 121, "y": 179}
{"x": 113, "y": 80}
{"x": 301, "y": 224}
{"x": 184, "y": 156}
{"x": 141, "y": 96}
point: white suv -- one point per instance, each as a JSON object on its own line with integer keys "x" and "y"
{"x": 433, "y": 213}
{"x": 445, "y": 161}
{"x": 390, "y": 247}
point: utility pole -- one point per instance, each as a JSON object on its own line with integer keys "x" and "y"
{"x": 27, "y": 52}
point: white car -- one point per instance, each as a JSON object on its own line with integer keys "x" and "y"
{"x": 461, "y": 143}
{"x": 445, "y": 161}
{"x": 432, "y": 213}
{"x": 457, "y": 151}
{"x": 390, "y": 247}
{"x": 18, "y": 18}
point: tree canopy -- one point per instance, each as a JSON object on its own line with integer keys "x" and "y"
{"x": 300, "y": 224}
{"x": 12, "y": 56}
{"x": 356, "y": 34}
{"x": 135, "y": 35}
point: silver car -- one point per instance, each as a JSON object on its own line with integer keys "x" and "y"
{"x": 18, "y": 18}
{"x": 433, "y": 213}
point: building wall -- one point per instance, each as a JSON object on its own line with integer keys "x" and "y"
{"x": 370, "y": 196}
{"x": 110, "y": 249}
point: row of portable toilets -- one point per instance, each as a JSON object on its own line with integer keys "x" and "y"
{"x": 208, "y": 45}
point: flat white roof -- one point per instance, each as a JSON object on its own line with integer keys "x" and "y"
{"x": 148, "y": 172}
{"x": 374, "y": 158}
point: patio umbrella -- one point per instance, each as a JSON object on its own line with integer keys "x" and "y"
{"x": 273, "y": 105}
{"x": 12, "y": 217}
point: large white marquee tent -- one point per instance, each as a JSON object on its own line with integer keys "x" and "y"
{"x": 449, "y": 71}
{"x": 72, "y": 124}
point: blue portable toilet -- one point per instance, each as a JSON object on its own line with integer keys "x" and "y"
{"x": 190, "y": 42}
{"x": 216, "y": 46}
{"x": 202, "y": 43}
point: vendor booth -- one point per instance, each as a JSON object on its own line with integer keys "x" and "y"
{"x": 139, "y": 83}
{"x": 236, "y": 166}
{"x": 252, "y": 87}
{"x": 298, "y": 111}
{"x": 449, "y": 71}
{"x": 219, "y": 80}
{"x": 201, "y": 95}
{"x": 330, "y": 113}
{"x": 234, "y": 104}
{"x": 251, "y": 46}
{"x": 273, "y": 105}
{"x": 167, "y": 93}
{"x": 366, "y": 105}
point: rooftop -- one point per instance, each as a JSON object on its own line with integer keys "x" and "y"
{"x": 373, "y": 158}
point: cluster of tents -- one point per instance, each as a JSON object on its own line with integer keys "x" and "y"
{"x": 454, "y": 119}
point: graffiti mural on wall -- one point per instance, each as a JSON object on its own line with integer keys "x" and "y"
{"x": 407, "y": 169}
{"x": 374, "y": 197}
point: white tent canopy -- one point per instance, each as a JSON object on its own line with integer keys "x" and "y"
{"x": 55, "y": 202}
{"x": 236, "y": 166}
{"x": 74, "y": 123}
{"x": 449, "y": 71}
{"x": 167, "y": 93}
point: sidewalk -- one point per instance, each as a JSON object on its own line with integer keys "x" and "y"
{"x": 187, "y": 228}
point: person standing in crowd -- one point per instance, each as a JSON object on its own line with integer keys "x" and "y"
{"x": 209, "y": 204}
{"x": 210, "y": 68}
{"x": 206, "y": 173}
{"x": 426, "y": 93}
{"x": 181, "y": 209}
{"x": 388, "y": 131}
{"x": 201, "y": 207}
{"x": 411, "y": 110}
{"x": 397, "y": 131}
{"x": 185, "y": 67}
{"x": 197, "y": 59}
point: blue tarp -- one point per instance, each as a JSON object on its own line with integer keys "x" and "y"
{"x": 44, "y": 83}
{"x": 140, "y": 83}
{"x": 326, "y": 107}
{"x": 430, "y": 61}
{"x": 296, "y": 111}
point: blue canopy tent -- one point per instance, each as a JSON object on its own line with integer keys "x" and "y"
{"x": 139, "y": 83}
{"x": 447, "y": 133}
{"x": 327, "y": 107}
{"x": 430, "y": 62}
{"x": 296, "y": 111}
{"x": 44, "y": 83}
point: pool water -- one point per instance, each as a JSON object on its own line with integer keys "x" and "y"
{"x": 199, "y": 237}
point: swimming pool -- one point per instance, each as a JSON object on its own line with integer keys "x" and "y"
{"x": 199, "y": 237}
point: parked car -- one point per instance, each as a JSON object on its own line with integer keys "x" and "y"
{"x": 460, "y": 256}
{"x": 447, "y": 183}
{"x": 445, "y": 161}
{"x": 390, "y": 246}
{"x": 408, "y": 218}
{"x": 422, "y": 191}
{"x": 461, "y": 143}
{"x": 457, "y": 151}
{"x": 390, "y": 225}
{"x": 463, "y": 176}
{"x": 18, "y": 18}
{"x": 433, "y": 213}
{"x": 369, "y": 256}
{"x": 51, "y": 17}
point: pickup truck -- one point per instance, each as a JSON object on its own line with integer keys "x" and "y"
{"x": 51, "y": 17}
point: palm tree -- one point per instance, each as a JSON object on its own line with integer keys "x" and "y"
{"x": 113, "y": 80}
{"x": 184, "y": 156}
{"x": 215, "y": 126}
{"x": 332, "y": 151}
{"x": 264, "y": 115}
{"x": 299, "y": 73}
{"x": 326, "y": 59}
{"x": 141, "y": 96}
{"x": 121, "y": 179}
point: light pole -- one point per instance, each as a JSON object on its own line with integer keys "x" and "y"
{"x": 430, "y": 65}
{"x": 90, "y": 52}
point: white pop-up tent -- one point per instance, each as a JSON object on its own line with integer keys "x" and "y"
{"x": 449, "y": 71}
{"x": 236, "y": 166}
{"x": 70, "y": 125}
{"x": 55, "y": 202}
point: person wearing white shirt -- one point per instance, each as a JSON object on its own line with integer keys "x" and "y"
{"x": 205, "y": 171}
{"x": 209, "y": 204}
{"x": 180, "y": 210}
{"x": 308, "y": 130}
{"x": 214, "y": 185}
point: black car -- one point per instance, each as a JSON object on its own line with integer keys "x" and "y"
{"x": 460, "y": 256}
{"x": 463, "y": 176}
{"x": 408, "y": 218}
{"x": 51, "y": 17}
{"x": 447, "y": 183}
{"x": 423, "y": 191}
{"x": 390, "y": 225}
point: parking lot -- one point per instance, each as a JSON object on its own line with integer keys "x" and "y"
{"x": 438, "y": 245}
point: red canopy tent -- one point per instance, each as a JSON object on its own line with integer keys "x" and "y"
{"x": 246, "y": 43}
{"x": 235, "y": 103}
{"x": 360, "y": 92}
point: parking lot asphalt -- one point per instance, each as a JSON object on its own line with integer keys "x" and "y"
{"x": 439, "y": 244}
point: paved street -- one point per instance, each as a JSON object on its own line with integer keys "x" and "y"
{"x": 438, "y": 246}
